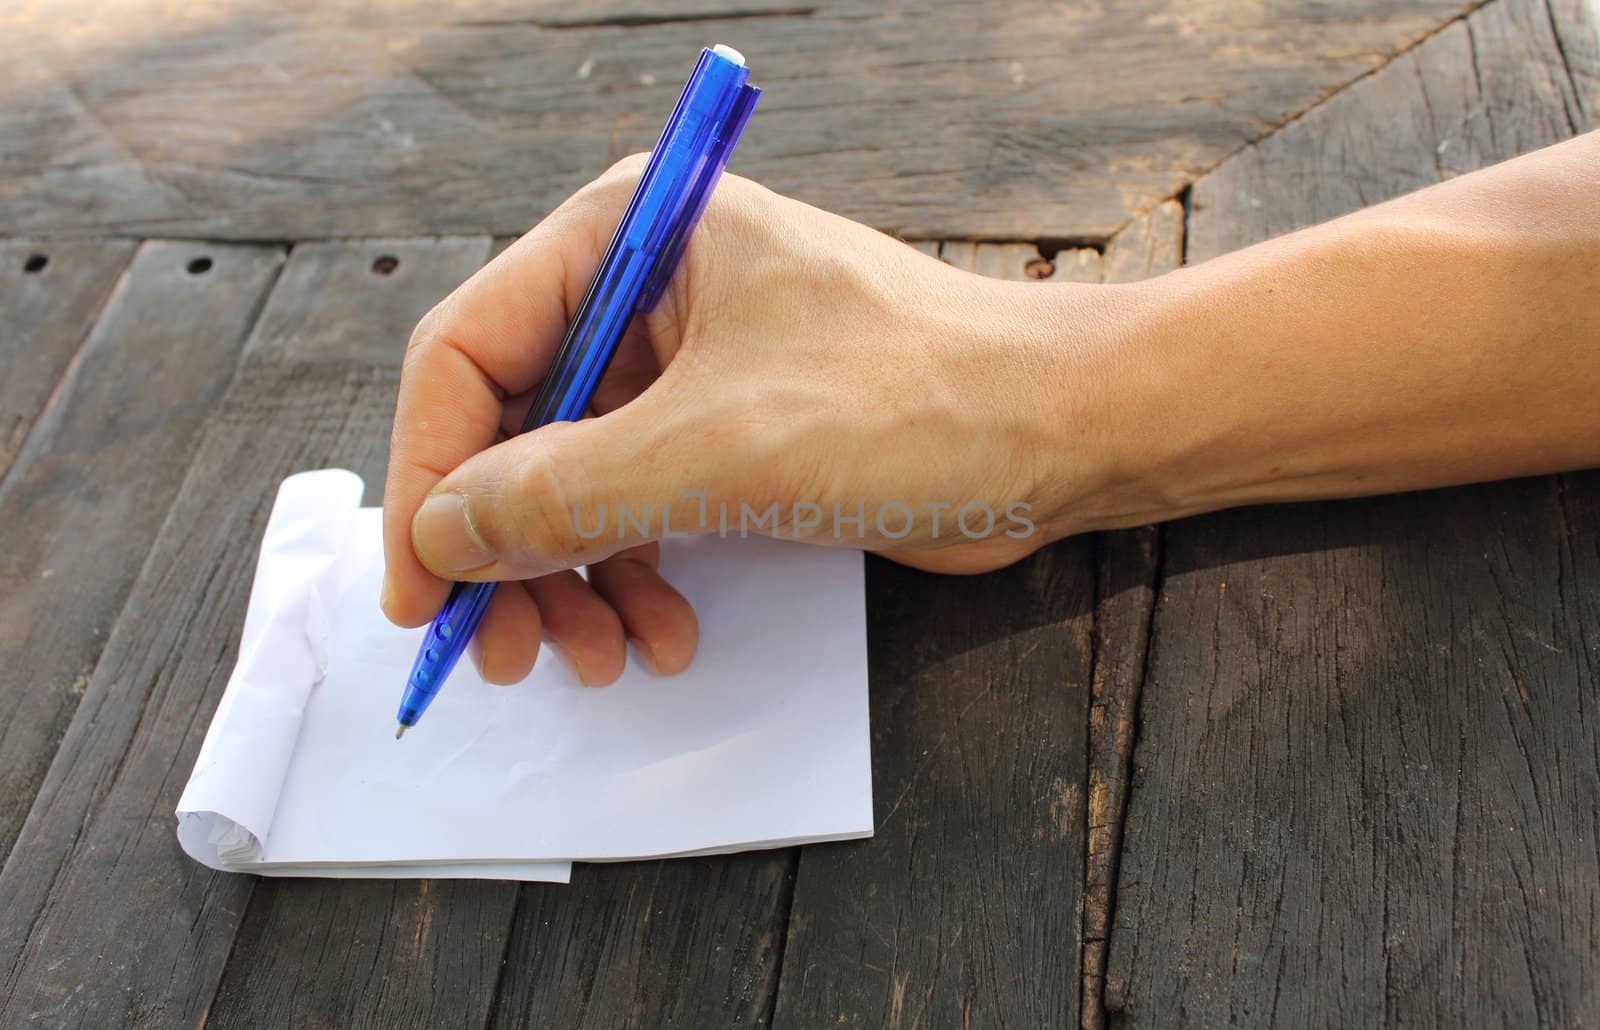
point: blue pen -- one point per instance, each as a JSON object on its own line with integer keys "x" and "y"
{"x": 683, "y": 170}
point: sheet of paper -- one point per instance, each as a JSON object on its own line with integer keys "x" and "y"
{"x": 763, "y": 742}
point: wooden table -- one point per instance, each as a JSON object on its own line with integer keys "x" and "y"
{"x": 1318, "y": 764}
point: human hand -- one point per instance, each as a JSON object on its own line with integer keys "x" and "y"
{"x": 799, "y": 364}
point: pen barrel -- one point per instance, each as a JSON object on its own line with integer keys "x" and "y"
{"x": 650, "y": 238}
{"x": 683, "y": 170}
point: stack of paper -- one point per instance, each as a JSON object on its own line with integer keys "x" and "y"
{"x": 762, "y": 743}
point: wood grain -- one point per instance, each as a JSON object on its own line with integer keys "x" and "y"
{"x": 1367, "y": 755}
{"x": 250, "y": 120}
{"x": 87, "y": 494}
{"x": 687, "y": 942}
{"x": 1483, "y": 90}
{"x": 365, "y": 953}
{"x": 107, "y": 922}
{"x": 1150, "y": 245}
{"x": 1126, "y": 565}
{"x": 1367, "y": 768}
{"x": 48, "y": 309}
{"x": 1577, "y": 27}
{"x": 963, "y": 909}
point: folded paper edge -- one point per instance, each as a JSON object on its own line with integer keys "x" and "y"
{"x": 227, "y": 806}
{"x": 197, "y": 831}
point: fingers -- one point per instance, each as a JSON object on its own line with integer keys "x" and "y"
{"x": 657, "y": 618}
{"x": 492, "y": 338}
{"x": 587, "y": 625}
{"x": 582, "y": 631}
{"x": 507, "y": 641}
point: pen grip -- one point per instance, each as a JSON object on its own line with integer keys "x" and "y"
{"x": 442, "y": 648}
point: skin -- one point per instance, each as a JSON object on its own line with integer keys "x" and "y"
{"x": 1446, "y": 337}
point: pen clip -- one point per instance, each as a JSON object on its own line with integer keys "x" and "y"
{"x": 725, "y": 137}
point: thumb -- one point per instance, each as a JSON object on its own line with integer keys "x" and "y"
{"x": 563, "y": 495}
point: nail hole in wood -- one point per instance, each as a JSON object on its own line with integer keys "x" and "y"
{"x": 385, "y": 265}
{"x": 1039, "y": 268}
{"x": 35, "y": 263}
{"x": 200, "y": 266}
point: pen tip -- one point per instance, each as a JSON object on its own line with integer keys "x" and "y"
{"x": 400, "y": 732}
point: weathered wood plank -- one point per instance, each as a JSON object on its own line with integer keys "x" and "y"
{"x": 107, "y": 922}
{"x": 1367, "y": 752}
{"x": 690, "y": 942}
{"x": 1577, "y": 28}
{"x": 1367, "y": 768}
{"x": 371, "y": 953}
{"x": 933, "y": 119}
{"x": 86, "y": 496}
{"x": 1150, "y": 245}
{"x": 1126, "y": 564}
{"x": 1483, "y": 90}
{"x": 964, "y": 908}
{"x": 1523, "y": 79}
{"x": 51, "y": 294}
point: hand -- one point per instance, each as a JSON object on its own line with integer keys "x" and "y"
{"x": 797, "y": 362}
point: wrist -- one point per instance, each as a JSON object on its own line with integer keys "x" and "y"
{"x": 1234, "y": 382}
{"x": 1107, "y": 463}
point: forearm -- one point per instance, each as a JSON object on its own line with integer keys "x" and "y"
{"x": 1446, "y": 337}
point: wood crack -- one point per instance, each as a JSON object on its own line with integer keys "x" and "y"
{"x": 1124, "y": 626}
{"x": 781, "y": 938}
{"x": 497, "y": 992}
{"x": 1274, "y": 128}
{"x": 1566, "y": 66}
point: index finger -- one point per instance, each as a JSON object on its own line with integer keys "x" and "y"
{"x": 493, "y": 337}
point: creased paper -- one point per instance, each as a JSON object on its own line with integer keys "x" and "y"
{"x": 762, "y": 743}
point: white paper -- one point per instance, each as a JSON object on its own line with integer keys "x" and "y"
{"x": 763, "y": 742}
